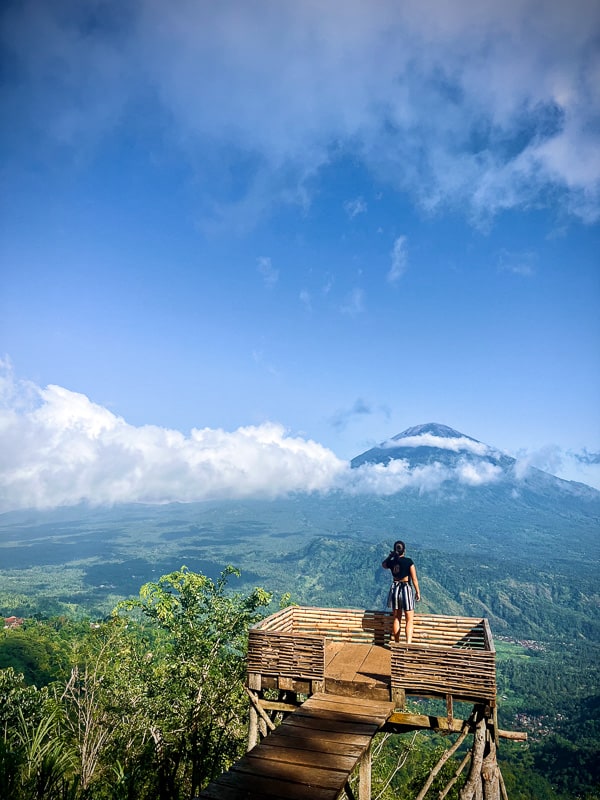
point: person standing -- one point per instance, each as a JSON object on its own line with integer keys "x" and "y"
{"x": 401, "y": 596}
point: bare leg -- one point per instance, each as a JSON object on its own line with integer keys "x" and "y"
{"x": 410, "y": 621}
{"x": 397, "y": 621}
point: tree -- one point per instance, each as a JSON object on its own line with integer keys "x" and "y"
{"x": 189, "y": 682}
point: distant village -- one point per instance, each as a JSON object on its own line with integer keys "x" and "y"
{"x": 529, "y": 644}
{"x": 13, "y": 622}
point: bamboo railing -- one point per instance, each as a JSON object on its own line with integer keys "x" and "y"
{"x": 449, "y": 656}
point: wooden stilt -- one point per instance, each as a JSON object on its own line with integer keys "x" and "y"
{"x": 252, "y": 728}
{"x": 472, "y": 789}
{"x": 364, "y": 775}
{"x": 457, "y": 774}
{"x": 490, "y": 774}
{"x": 442, "y": 761}
{"x": 449, "y": 709}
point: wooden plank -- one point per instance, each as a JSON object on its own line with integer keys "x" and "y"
{"x": 302, "y": 756}
{"x": 347, "y": 662}
{"x": 350, "y": 709}
{"x": 289, "y": 737}
{"x": 330, "y": 725}
{"x": 221, "y": 791}
{"x": 302, "y": 775}
{"x": 331, "y": 650}
{"x": 358, "y": 689}
{"x": 302, "y": 729}
{"x": 376, "y": 707}
{"x": 339, "y": 717}
{"x": 259, "y": 787}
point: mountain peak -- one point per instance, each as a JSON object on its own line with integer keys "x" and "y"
{"x": 429, "y": 443}
{"x": 431, "y": 429}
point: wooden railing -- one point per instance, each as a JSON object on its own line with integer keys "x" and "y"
{"x": 449, "y": 656}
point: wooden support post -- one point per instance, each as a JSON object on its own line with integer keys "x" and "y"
{"x": 472, "y": 789}
{"x": 252, "y": 728}
{"x": 262, "y": 728}
{"x": 490, "y": 774}
{"x": 449, "y": 710}
{"x": 364, "y": 775}
{"x": 495, "y": 723}
{"x": 398, "y": 697}
{"x": 255, "y": 681}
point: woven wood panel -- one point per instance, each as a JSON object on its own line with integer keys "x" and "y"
{"x": 448, "y": 655}
{"x": 467, "y": 674}
{"x": 285, "y": 654}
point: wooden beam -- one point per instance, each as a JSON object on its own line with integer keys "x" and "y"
{"x": 423, "y": 721}
{"x": 404, "y": 720}
{"x": 278, "y": 705}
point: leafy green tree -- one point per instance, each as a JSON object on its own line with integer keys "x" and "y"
{"x": 36, "y": 651}
{"x": 189, "y": 687}
{"x": 34, "y": 762}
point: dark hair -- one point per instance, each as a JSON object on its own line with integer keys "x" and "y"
{"x": 402, "y": 546}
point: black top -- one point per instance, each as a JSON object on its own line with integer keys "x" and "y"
{"x": 399, "y": 565}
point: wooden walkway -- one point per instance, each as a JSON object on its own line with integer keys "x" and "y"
{"x": 310, "y": 755}
{"x": 354, "y": 678}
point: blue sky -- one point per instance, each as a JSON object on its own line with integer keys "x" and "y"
{"x": 322, "y": 223}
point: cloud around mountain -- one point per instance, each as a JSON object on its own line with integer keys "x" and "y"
{"x": 456, "y": 444}
{"x": 57, "y": 447}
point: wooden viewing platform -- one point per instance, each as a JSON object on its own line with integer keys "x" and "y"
{"x": 337, "y": 679}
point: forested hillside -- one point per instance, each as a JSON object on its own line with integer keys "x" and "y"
{"x": 149, "y": 703}
{"x": 531, "y": 572}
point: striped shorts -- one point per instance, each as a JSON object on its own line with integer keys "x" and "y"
{"x": 401, "y": 596}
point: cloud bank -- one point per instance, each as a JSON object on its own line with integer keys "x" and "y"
{"x": 484, "y": 106}
{"x": 57, "y": 448}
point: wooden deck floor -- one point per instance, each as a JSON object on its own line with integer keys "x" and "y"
{"x": 312, "y": 753}
{"x": 358, "y": 670}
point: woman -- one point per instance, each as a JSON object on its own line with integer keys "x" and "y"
{"x": 401, "y": 596}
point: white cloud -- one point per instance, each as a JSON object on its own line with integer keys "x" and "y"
{"x": 485, "y": 106}
{"x": 57, "y": 448}
{"x": 571, "y": 465}
{"x": 397, "y": 476}
{"x": 355, "y": 207}
{"x": 399, "y": 259}
{"x": 454, "y": 443}
{"x": 354, "y": 302}
{"x": 523, "y": 263}
{"x": 305, "y": 299}
{"x": 477, "y": 473}
{"x": 66, "y": 449}
{"x": 267, "y": 270}
{"x": 359, "y": 408}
